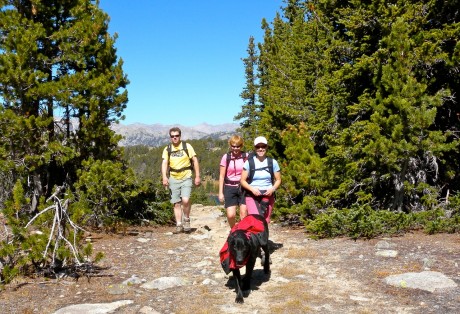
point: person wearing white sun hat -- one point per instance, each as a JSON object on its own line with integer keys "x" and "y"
{"x": 260, "y": 178}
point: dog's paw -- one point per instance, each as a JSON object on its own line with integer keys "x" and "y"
{"x": 239, "y": 299}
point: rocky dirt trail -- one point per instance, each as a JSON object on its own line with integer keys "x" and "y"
{"x": 150, "y": 270}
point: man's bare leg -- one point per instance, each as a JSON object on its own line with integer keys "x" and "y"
{"x": 186, "y": 207}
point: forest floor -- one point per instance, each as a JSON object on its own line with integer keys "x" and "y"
{"x": 308, "y": 276}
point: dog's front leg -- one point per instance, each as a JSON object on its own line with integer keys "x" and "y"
{"x": 248, "y": 275}
{"x": 239, "y": 292}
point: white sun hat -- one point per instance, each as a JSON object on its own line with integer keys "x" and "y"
{"x": 260, "y": 140}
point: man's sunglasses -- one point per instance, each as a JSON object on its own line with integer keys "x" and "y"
{"x": 173, "y": 136}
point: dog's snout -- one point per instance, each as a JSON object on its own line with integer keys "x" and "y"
{"x": 239, "y": 260}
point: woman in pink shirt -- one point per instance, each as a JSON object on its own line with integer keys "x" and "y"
{"x": 230, "y": 192}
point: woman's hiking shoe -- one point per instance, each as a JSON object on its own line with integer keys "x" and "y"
{"x": 179, "y": 229}
{"x": 187, "y": 225}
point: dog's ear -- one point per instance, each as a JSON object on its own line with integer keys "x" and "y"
{"x": 231, "y": 239}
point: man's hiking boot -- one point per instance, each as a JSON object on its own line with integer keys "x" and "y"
{"x": 187, "y": 225}
{"x": 179, "y": 229}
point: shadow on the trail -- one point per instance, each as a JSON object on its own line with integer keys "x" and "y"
{"x": 258, "y": 278}
{"x": 272, "y": 246}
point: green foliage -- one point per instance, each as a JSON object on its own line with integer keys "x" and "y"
{"x": 88, "y": 252}
{"x": 250, "y": 111}
{"x": 155, "y": 206}
{"x": 11, "y": 256}
{"x": 49, "y": 240}
{"x": 437, "y": 221}
{"x": 303, "y": 175}
{"x": 364, "y": 222}
{"x": 103, "y": 189}
{"x": 200, "y": 195}
{"x": 160, "y": 213}
{"x": 61, "y": 87}
{"x": 357, "y": 101}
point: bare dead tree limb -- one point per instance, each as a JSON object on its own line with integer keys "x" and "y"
{"x": 61, "y": 220}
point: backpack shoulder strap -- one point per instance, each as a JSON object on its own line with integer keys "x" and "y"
{"x": 252, "y": 169}
{"x": 229, "y": 157}
{"x": 169, "y": 149}
{"x": 184, "y": 147}
{"x": 270, "y": 168}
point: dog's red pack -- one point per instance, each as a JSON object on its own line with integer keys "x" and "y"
{"x": 251, "y": 225}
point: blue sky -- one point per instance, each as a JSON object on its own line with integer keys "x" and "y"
{"x": 183, "y": 58}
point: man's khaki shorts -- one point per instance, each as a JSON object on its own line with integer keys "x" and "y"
{"x": 180, "y": 189}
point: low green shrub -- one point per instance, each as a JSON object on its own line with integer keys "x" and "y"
{"x": 361, "y": 221}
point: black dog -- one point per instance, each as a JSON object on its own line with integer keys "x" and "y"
{"x": 244, "y": 248}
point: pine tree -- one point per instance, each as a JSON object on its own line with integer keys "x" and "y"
{"x": 61, "y": 87}
{"x": 375, "y": 83}
{"x": 390, "y": 141}
{"x": 250, "y": 110}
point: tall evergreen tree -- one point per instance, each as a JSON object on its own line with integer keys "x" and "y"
{"x": 390, "y": 141}
{"x": 250, "y": 111}
{"x": 61, "y": 86}
{"x": 375, "y": 83}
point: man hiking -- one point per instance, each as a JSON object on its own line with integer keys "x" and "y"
{"x": 179, "y": 159}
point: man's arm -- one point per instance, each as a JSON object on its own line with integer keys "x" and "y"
{"x": 196, "y": 166}
{"x": 164, "y": 170}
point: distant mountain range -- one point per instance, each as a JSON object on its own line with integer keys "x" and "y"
{"x": 155, "y": 135}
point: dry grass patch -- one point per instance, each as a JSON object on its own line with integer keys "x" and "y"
{"x": 291, "y": 290}
{"x": 294, "y": 299}
{"x": 364, "y": 311}
{"x": 409, "y": 267}
{"x": 289, "y": 271}
{"x": 379, "y": 273}
{"x": 302, "y": 253}
{"x": 204, "y": 302}
{"x": 412, "y": 267}
{"x": 291, "y": 306}
{"x": 193, "y": 307}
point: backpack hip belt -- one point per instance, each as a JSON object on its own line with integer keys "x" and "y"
{"x": 231, "y": 182}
